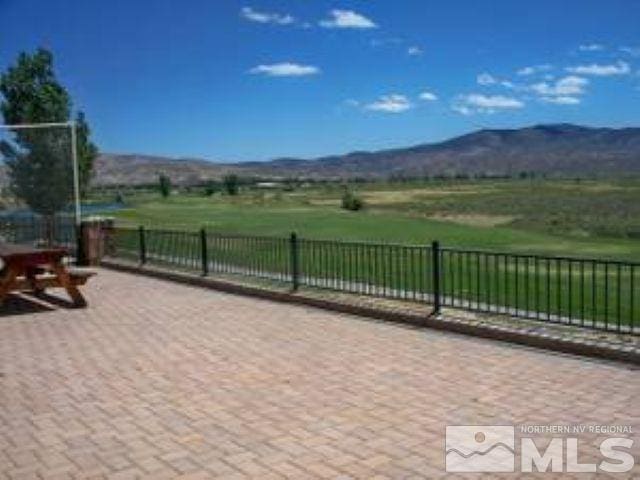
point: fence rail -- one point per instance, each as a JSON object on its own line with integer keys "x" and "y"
{"x": 587, "y": 292}
{"x": 592, "y": 293}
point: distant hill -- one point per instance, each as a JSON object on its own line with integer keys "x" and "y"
{"x": 116, "y": 169}
{"x": 560, "y": 149}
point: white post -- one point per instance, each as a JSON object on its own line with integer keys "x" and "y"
{"x": 76, "y": 173}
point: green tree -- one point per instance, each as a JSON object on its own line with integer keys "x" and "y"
{"x": 351, "y": 201}
{"x": 231, "y": 183}
{"x": 87, "y": 153}
{"x": 210, "y": 188}
{"x": 164, "y": 185}
{"x": 39, "y": 160}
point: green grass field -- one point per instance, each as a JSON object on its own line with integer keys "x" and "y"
{"x": 587, "y": 218}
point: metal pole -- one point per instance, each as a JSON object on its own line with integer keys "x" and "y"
{"x": 142, "y": 245}
{"x": 293, "y": 242}
{"x": 76, "y": 173}
{"x": 435, "y": 259}
{"x": 24, "y": 126}
{"x": 204, "y": 253}
{"x": 81, "y": 257}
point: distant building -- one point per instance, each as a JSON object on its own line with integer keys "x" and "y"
{"x": 268, "y": 185}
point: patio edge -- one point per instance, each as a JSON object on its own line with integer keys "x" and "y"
{"x": 498, "y": 333}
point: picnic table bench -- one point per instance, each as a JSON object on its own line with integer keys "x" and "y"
{"x": 35, "y": 269}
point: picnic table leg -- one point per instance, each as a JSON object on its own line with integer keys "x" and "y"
{"x": 7, "y": 281}
{"x": 31, "y": 278}
{"x": 65, "y": 281}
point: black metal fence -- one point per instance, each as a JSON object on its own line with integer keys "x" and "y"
{"x": 602, "y": 294}
{"x": 35, "y": 230}
{"x": 593, "y": 293}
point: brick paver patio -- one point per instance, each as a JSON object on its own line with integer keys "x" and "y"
{"x": 160, "y": 380}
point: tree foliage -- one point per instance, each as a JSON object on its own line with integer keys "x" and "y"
{"x": 87, "y": 152}
{"x": 164, "y": 185}
{"x": 351, "y": 201}
{"x": 210, "y": 188}
{"x": 231, "y": 184}
{"x": 39, "y": 160}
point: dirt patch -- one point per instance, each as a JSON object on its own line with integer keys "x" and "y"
{"x": 404, "y": 196}
{"x": 331, "y": 202}
{"x": 594, "y": 188}
{"x": 475, "y": 220}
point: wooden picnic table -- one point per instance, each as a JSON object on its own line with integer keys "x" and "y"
{"x": 35, "y": 269}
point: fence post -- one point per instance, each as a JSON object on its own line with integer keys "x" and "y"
{"x": 81, "y": 247}
{"x": 294, "y": 261}
{"x": 203, "y": 250}
{"x": 435, "y": 254}
{"x": 143, "y": 246}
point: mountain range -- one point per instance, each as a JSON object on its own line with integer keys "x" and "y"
{"x": 555, "y": 150}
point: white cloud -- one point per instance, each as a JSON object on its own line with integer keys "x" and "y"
{"x": 478, "y": 103}
{"x": 565, "y": 91}
{"x": 352, "y": 102}
{"x": 486, "y": 79}
{"x": 393, "y": 103}
{"x": 428, "y": 96}
{"x": 591, "y": 47}
{"x": 493, "y": 101}
{"x": 252, "y": 15}
{"x": 285, "y": 69}
{"x": 530, "y": 70}
{"x": 526, "y": 71}
{"x": 633, "y": 51}
{"x": 562, "y": 100}
{"x": 618, "y": 68}
{"x": 414, "y": 51}
{"x": 462, "y": 109}
{"x": 566, "y": 86}
{"x": 347, "y": 19}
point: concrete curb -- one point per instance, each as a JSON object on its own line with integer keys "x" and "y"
{"x": 493, "y": 332}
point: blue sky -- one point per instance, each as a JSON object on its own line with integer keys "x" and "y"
{"x": 252, "y": 80}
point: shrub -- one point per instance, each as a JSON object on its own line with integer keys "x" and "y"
{"x": 210, "y": 188}
{"x": 231, "y": 184}
{"x": 164, "y": 185}
{"x": 352, "y": 202}
{"x": 290, "y": 184}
